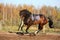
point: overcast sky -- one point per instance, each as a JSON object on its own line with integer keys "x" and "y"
{"x": 36, "y": 3}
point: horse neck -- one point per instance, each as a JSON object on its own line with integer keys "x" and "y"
{"x": 26, "y": 18}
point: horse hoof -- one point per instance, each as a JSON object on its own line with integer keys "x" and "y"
{"x": 20, "y": 33}
{"x": 10, "y": 31}
{"x": 32, "y": 34}
{"x": 27, "y": 33}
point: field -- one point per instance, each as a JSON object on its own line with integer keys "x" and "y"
{"x": 33, "y": 28}
{"x": 13, "y": 36}
{"x": 46, "y": 34}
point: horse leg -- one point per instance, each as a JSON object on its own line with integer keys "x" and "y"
{"x": 27, "y": 29}
{"x": 21, "y": 25}
{"x": 40, "y": 27}
{"x": 22, "y": 28}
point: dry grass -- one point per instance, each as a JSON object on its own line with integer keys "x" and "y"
{"x": 31, "y": 29}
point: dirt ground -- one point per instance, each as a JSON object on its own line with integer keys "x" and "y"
{"x": 14, "y": 36}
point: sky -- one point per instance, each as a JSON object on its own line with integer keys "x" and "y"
{"x": 36, "y": 3}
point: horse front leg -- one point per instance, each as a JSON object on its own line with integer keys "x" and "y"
{"x": 27, "y": 29}
{"x": 21, "y": 25}
{"x": 22, "y": 28}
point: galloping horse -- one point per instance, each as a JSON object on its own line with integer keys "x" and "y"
{"x": 30, "y": 19}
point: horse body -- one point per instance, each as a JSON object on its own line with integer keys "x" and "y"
{"x": 30, "y": 19}
{"x": 37, "y": 19}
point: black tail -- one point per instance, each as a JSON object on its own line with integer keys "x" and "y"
{"x": 50, "y": 23}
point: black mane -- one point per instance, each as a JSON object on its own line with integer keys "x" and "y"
{"x": 25, "y": 12}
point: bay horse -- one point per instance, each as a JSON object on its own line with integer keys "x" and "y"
{"x": 30, "y": 19}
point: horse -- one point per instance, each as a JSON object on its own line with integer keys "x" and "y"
{"x": 30, "y": 19}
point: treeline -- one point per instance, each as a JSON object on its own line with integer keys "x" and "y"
{"x": 9, "y": 14}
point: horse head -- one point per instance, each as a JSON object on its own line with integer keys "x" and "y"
{"x": 24, "y": 13}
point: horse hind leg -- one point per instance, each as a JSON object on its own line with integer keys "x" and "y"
{"x": 39, "y": 29}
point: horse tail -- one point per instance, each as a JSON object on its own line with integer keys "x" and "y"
{"x": 50, "y": 22}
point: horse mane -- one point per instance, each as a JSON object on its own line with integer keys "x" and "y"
{"x": 26, "y": 12}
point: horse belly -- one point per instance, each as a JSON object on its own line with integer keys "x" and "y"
{"x": 37, "y": 22}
